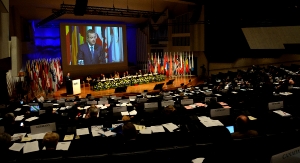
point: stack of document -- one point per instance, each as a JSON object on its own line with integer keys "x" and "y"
{"x": 139, "y": 127}
{"x": 19, "y": 118}
{"x": 17, "y": 136}
{"x": 252, "y": 118}
{"x": 97, "y": 130}
{"x": 17, "y": 147}
{"x": 63, "y": 146}
{"x": 133, "y": 112}
{"x": 18, "y": 109}
{"x": 82, "y": 131}
{"x": 170, "y": 126}
{"x": 116, "y": 125}
{"x": 207, "y": 122}
{"x": 109, "y": 133}
{"x": 36, "y": 136}
{"x": 31, "y": 119}
{"x": 157, "y": 129}
{"x": 31, "y": 147}
{"x": 147, "y": 130}
{"x": 282, "y": 113}
{"x": 198, "y": 160}
{"x": 69, "y": 137}
{"x": 285, "y": 93}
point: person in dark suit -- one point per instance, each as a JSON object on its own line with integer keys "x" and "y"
{"x": 68, "y": 77}
{"x": 90, "y": 53}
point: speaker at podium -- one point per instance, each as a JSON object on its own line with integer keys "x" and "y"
{"x": 73, "y": 87}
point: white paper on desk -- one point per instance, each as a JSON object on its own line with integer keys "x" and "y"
{"x": 82, "y": 131}
{"x": 109, "y": 133}
{"x": 37, "y": 136}
{"x": 204, "y": 118}
{"x": 118, "y": 104}
{"x": 96, "y": 128}
{"x": 69, "y": 137}
{"x": 217, "y": 123}
{"x": 132, "y": 99}
{"x": 17, "y": 147}
{"x": 170, "y": 126}
{"x": 158, "y": 128}
{"x": 252, "y": 118}
{"x": 63, "y": 145}
{"x": 116, "y": 125}
{"x": 282, "y": 113}
{"x": 124, "y": 113}
{"x": 133, "y": 112}
{"x": 18, "y": 109}
{"x": 62, "y": 108}
{"x": 17, "y": 136}
{"x": 86, "y": 107}
{"x": 147, "y": 130}
{"x": 103, "y": 107}
{"x": 31, "y": 147}
{"x": 198, "y": 160}
{"x": 207, "y": 123}
{"x": 19, "y": 118}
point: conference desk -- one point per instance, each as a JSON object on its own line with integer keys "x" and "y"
{"x": 276, "y": 133}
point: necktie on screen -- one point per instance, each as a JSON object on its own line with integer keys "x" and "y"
{"x": 92, "y": 51}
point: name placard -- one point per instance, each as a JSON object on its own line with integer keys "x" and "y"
{"x": 103, "y": 102}
{"x": 151, "y": 105}
{"x": 103, "y": 99}
{"x": 119, "y": 109}
{"x": 187, "y": 101}
{"x": 141, "y": 100}
{"x": 92, "y": 102}
{"x": 290, "y": 156}
{"x": 275, "y": 105}
{"x": 132, "y": 97}
{"x": 220, "y": 112}
{"x": 69, "y": 103}
{"x": 207, "y": 99}
{"x": 42, "y": 128}
{"x": 124, "y": 101}
{"x": 168, "y": 97}
{"x": 205, "y": 88}
{"x": 167, "y": 103}
{"x": 166, "y": 93}
{"x": 208, "y": 93}
{"x": 113, "y": 97}
{"x": 42, "y": 112}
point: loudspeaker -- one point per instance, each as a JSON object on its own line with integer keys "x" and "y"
{"x": 80, "y": 7}
{"x": 196, "y": 14}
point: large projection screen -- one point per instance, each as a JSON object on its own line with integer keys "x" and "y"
{"x": 89, "y": 49}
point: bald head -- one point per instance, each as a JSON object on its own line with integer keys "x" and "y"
{"x": 242, "y": 123}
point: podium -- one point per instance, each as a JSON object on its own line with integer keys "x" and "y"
{"x": 73, "y": 87}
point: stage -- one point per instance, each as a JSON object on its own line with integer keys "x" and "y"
{"x": 86, "y": 88}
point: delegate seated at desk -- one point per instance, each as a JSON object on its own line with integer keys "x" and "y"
{"x": 5, "y": 143}
{"x": 242, "y": 129}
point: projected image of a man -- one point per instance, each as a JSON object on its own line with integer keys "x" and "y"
{"x": 90, "y": 52}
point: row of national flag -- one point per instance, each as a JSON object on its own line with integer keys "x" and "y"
{"x": 169, "y": 64}
{"x": 44, "y": 74}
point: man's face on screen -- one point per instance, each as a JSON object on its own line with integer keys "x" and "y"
{"x": 92, "y": 38}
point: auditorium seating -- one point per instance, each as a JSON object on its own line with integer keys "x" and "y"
{"x": 192, "y": 139}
